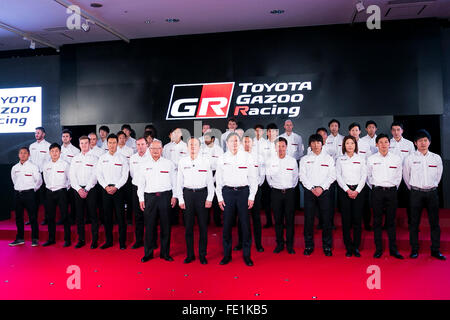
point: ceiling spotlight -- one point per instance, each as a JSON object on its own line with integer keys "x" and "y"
{"x": 147, "y": 21}
{"x": 85, "y": 26}
{"x": 360, "y": 6}
{"x": 32, "y": 45}
{"x": 173, "y": 20}
{"x": 277, "y": 11}
{"x": 96, "y": 5}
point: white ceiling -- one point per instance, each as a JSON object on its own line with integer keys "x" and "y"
{"x": 196, "y": 16}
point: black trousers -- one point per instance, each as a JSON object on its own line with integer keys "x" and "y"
{"x": 72, "y": 209}
{"x": 58, "y": 198}
{"x": 90, "y": 204}
{"x": 334, "y": 201}
{"x": 430, "y": 201}
{"x": 352, "y": 211}
{"x": 367, "y": 205}
{"x": 384, "y": 200}
{"x": 157, "y": 205}
{"x": 256, "y": 221}
{"x": 236, "y": 201}
{"x": 195, "y": 205}
{"x": 217, "y": 213}
{"x": 128, "y": 200}
{"x": 266, "y": 202}
{"x": 283, "y": 204}
{"x": 26, "y": 200}
{"x": 114, "y": 203}
{"x": 41, "y": 196}
{"x": 322, "y": 204}
{"x": 138, "y": 216}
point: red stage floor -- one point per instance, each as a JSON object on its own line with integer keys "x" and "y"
{"x": 40, "y": 273}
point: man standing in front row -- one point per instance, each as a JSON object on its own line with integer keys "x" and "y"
{"x": 83, "y": 181}
{"x": 195, "y": 190}
{"x": 157, "y": 195}
{"x": 112, "y": 174}
{"x": 27, "y": 180}
{"x": 236, "y": 187}
{"x": 384, "y": 174}
{"x": 317, "y": 173}
{"x": 422, "y": 173}
{"x": 282, "y": 176}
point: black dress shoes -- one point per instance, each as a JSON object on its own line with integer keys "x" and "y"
{"x": 225, "y": 260}
{"x": 203, "y": 260}
{"x": 308, "y": 251}
{"x": 268, "y": 226}
{"x": 66, "y": 244}
{"x": 80, "y": 244}
{"x": 414, "y": 254}
{"x": 94, "y": 245}
{"x": 27, "y": 223}
{"x": 137, "y": 245}
{"x": 60, "y": 222}
{"x": 167, "y": 258}
{"x": 189, "y": 259}
{"x": 438, "y": 255}
{"x": 48, "y": 243}
{"x": 238, "y": 247}
{"x": 377, "y": 254}
{"x": 348, "y": 253}
{"x": 147, "y": 258}
{"x": 396, "y": 255}
{"x": 260, "y": 249}
{"x": 278, "y": 249}
{"x": 290, "y": 250}
{"x": 357, "y": 253}
{"x": 106, "y": 246}
{"x": 44, "y": 223}
{"x": 248, "y": 261}
{"x": 123, "y": 247}
{"x": 327, "y": 252}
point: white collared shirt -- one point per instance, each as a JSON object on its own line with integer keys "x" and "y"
{"x": 39, "y": 153}
{"x": 262, "y": 147}
{"x": 282, "y": 173}
{"x": 236, "y": 170}
{"x": 26, "y": 176}
{"x": 372, "y": 143}
{"x": 126, "y": 151}
{"x": 317, "y": 170}
{"x": 175, "y": 151}
{"x": 56, "y": 175}
{"x": 260, "y": 164}
{"x": 131, "y": 143}
{"x": 213, "y": 153}
{"x": 194, "y": 174}
{"x": 334, "y": 145}
{"x": 82, "y": 171}
{"x": 112, "y": 169}
{"x": 364, "y": 148}
{"x": 97, "y": 152}
{"x": 402, "y": 148}
{"x": 384, "y": 171}
{"x": 156, "y": 176}
{"x": 103, "y": 144}
{"x": 422, "y": 171}
{"x": 351, "y": 171}
{"x": 135, "y": 162}
{"x": 295, "y": 146}
{"x": 69, "y": 152}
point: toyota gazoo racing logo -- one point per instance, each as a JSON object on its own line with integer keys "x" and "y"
{"x": 200, "y": 100}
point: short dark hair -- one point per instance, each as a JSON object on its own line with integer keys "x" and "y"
{"x": 54, "y": 145}
{"x": 25, "y": 148}
{"x": 380, "y": 136}
{"x": 397, "y": 124}
{"x": 334, "y": 120}
{"x": 112, "y": 136}
{"x": 104, "y": 128}
{"x": 40, "y": 128}
{"x": 315, "y": 137}
{"x": 354, "y": 124}
{"x": 84, "y": 138}
{"x": 281, "y": 139}
{"x": 148, "y": 134}
{"x": 272, "y": 126}
{"x": 152, "y": 129}
{"x": 260, "y": 126}
{"x": 349, "y": 138}
{"x": 371, "y": 122}
{"x": 422, "y": 133}
{"x": 133, "y": 134}
{"x": 321, "y": 129}
{"x": 126, "y": 126}
{"x": 120, "y": 133}
{"x": 140, "y": 138}
{"x": 67, "y": 131}
{"x": 232, "y": 120}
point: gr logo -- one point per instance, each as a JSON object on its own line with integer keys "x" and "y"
{"x": 200, "y": 100}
